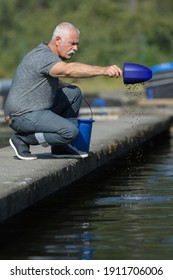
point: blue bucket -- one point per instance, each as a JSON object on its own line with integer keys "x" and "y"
{"x": 82, "y": 141}
{"x": 136, "y": 73}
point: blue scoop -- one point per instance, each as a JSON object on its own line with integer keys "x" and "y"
{"x": 135, "y": 73}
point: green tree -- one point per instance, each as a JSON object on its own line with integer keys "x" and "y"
{"x": 112, "y": 31}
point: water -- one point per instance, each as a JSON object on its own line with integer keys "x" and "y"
{"x": 122, "y": 211}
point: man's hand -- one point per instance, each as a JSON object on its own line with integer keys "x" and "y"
{"x": 113, "y": 71}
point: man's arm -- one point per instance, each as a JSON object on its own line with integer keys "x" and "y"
{"x": 80, "y": 70}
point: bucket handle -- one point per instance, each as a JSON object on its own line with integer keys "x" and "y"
{"x": 91, "y": 112}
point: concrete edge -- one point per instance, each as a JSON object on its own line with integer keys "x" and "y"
{"x": 35, "y": 190}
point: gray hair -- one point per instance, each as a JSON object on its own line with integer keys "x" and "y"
{"x": 63, "y": 29}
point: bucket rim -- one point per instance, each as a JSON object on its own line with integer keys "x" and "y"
{"x": 86, "y": 120}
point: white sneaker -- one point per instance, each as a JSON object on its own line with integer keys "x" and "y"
{"x": 21, "y": 148}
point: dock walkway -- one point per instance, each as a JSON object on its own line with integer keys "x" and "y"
{"x": 23, "y": 183}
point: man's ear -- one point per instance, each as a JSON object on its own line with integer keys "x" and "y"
{"x": 57, "y": 40}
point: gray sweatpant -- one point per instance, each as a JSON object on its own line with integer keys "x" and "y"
{"x": 53, "y": 125}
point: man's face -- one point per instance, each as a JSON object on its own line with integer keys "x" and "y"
{"x": 68, "y": 46}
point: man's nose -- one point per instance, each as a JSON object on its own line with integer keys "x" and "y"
{"x": 75, "y": 48}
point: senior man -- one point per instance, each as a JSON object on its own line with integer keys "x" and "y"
{"x": 41, "y": 109}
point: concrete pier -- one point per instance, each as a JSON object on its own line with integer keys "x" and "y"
{"x": 23, "y": 183}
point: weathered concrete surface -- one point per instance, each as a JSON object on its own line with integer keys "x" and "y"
{"x": 22, "y": 183}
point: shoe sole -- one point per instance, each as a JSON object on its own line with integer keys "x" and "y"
{"x": 70, "y": 156}
{"x": 20, "y": 157}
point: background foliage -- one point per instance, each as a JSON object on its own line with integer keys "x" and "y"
{"x": 112, "y": 31}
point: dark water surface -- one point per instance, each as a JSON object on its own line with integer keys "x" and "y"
{"x": 123, "y": 211}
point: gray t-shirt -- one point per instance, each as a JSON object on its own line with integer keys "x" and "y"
{"x": 32, "y": 88}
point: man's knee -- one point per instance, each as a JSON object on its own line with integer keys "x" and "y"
{"x": 67, "y": 134}
{"x": 77, "y": 91}
{"x": 70, "y": 134}
{"x": 73, "y": 92}
{"x": 65, "y": 137}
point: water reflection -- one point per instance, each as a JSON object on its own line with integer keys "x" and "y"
{"x": 123, "y": 211}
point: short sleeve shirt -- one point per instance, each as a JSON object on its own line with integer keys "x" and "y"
{"x": 32, "y": 87}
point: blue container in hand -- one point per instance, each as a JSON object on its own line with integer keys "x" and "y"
{"x": 135, "y": 73}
